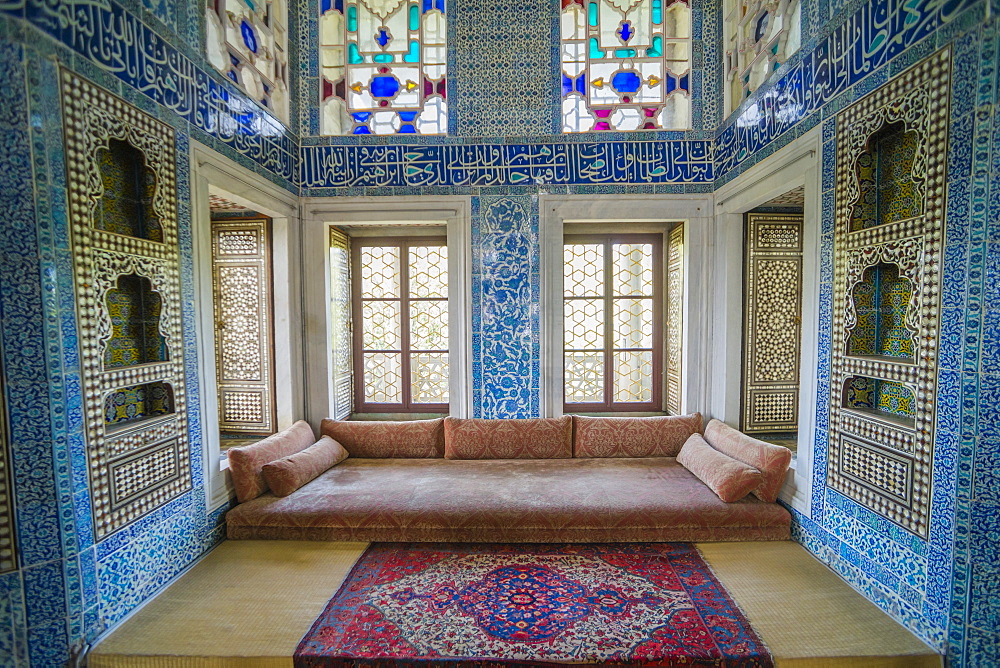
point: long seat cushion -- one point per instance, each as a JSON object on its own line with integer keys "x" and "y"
{"x": 536, "y": 438}
{"x": 554, "y": 500}
{"x": 659, "y": 436}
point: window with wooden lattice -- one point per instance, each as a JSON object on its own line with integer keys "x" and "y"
{"x": 612, "y": 315}
{"x": 400, "y": 314}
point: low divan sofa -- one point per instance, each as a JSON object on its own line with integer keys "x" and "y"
{"x": 571, "y": 479}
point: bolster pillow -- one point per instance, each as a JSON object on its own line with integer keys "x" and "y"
{"x": 729, "y": 478}
{"x": 771, "y": 460}
{"x": 287, "y": 474}
{"x": 247, "y": 462}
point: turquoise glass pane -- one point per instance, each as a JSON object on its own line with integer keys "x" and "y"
{"x": 382, "y": 58}
{"x": 595, "y": 51}
{"x": 414, "y": 17}
{"x": 352, "y": 19}
{"x": 624, "y": 53}
{"x": 592, "y": 14}
{"x": 657, "y": 12}
{"x": 353, "y": 55}
{"x": 413, "y": 55}
{"x": 656, "y": 50}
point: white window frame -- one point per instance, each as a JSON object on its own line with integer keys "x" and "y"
{"x": 211, "y": 172}
{"x": 798, "y": 164}
{"x": 605, "y": 214}
{"x": 321, "y": 213}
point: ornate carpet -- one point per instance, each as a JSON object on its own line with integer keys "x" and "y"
{"x": 433, "y": 604}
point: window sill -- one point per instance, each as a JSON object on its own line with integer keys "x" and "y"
{"x": 394, "y": 417}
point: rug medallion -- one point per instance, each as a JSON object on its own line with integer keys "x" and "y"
{"x": 654, "y": 604}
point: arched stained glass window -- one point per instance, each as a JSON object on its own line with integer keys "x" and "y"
{"x": 626, "y": 65}
{"x": 383, "y": 67}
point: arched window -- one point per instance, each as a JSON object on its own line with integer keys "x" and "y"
{"x": 626, "y": 65}
{"x": 383, "y": 67}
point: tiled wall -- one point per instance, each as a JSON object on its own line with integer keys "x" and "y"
{"x": 71, "y": 588}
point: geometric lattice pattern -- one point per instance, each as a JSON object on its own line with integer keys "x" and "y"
{"x": 887, "y": 261}
{"x": 611, "y": 322}
{"x": 401, "y": 335}
{"x": 758, "y": 37}
{"x": 674, "y": 319}
{"x": 772, "y": 322}
{"x": 241, "y": 287}
{"x": 134, "y": 399}
{"x": 626, "y": 65}
{"x": 340, "y": 324}
{"x": 383, "y": 66}
{"x": 872, "y": 466}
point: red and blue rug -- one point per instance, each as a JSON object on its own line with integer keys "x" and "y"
{"x": 432, "y": 604}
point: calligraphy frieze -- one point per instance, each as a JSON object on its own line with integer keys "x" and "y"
{"x": 640, "y": 162}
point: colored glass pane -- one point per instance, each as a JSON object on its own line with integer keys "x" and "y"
{"x": 625, "y": 65}
{"x": 385, "y": 59}
{"x": 248, "y": 43}
{"x": 758, "y": 37}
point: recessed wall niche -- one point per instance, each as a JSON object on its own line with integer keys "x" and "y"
{"x": 889, "y": 189}
{"x": 890, "y": 201}
{"x": 880, "y": 300}
{"x": 884, "y": 399}
{"x": 134, "y": 310}
{"x": 126, "y": 205}
{"x": 120, "y": 165}
{"x": 138, "y": 402}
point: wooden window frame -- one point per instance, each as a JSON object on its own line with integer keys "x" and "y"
{"x": 357, "y": 349}
{"x": 609, "y": 405}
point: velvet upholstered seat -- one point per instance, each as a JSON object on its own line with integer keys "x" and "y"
{"x": 505, "y": 500}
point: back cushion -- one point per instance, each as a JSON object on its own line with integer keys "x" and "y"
{"x": 771, "y": 460}
{"x": 377, "y": 439}
{"x": 247, "y": 462}
{"x": 633, "y": 436}
{"x": 542, "y": 438}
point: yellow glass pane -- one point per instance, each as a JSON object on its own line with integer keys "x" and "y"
{"x": 428, "y": 272}
{"x": 380, "y": 325}
{"x": 632, "y": 267}
{"x": 429, "y": 325}
{"x": 383, "y": 378}
{"x": 379, "y": 272}
{"x": 583, "y": 274}
{"x": 583, "y": 323}
{"x": 633, "y": 323}
{"x": 633, "y": 376}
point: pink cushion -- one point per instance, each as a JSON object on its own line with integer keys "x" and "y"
{"x": 377, "y": 439}
{"x": 771, "y": 460}
{"x": 729, "y": 478}
{"x": 632, "y": 436}
{"x": 287, "y": 474}
{"x": 246, "y": 462}
{"x": 541, "y": 438}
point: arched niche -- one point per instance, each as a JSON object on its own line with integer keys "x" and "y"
{"x": 880, "y": 300}
{"x": 131, "y": 404}
{"x": 888, "y": 190}
{"x": 134, "y": 309}
{"x": 129, "y": 185}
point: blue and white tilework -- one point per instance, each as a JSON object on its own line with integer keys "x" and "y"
{"x": 148, "y": 51}
{"x": 505, "y": 317}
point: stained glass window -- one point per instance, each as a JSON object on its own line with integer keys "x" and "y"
{"x": 401, "y": 324}
{"x": 247, "y": 40}
{"x": 759, "y": 35}
{"x": 383, "y": 65}
{"x": 626, "y": 65}
{"x": 611, "y": 314}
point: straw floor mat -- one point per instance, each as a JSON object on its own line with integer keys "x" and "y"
{"x": 248, "y": 604}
